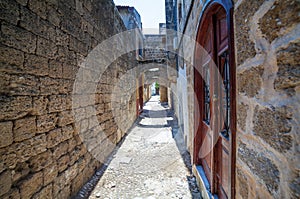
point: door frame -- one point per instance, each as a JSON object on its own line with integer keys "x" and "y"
{"x": 207, "y": 8}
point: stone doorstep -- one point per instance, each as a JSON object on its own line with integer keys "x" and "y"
{"x": 202, "y": 183}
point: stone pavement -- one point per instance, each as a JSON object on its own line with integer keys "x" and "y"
{"x": 151, "y": 161}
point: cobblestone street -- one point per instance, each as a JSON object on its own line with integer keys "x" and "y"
{"x": 151, "y": 161}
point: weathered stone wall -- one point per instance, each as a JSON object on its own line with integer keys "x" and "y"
{"x": 42, "y": 44}
{"x": 155, "y": 47}
{"x": 267, "y": 35}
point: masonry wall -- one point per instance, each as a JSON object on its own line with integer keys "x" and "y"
{"x": 42, "y": 44}
{"x": 268, "y": 77}
{"x": 267, "y": 63}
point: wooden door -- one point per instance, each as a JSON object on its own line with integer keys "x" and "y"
{"x": 203, "y": 82}
{"x": 214, "y": 88}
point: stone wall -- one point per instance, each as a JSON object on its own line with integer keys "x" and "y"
{"x": 154, "y": 48}
{"x": 267, "y": 35}
{"x": 267, "y": 39}
{"x": 42, "y": 44}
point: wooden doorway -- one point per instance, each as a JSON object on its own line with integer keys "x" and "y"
{"x": 215, "y": 112}
{"x": 139, "y": 100}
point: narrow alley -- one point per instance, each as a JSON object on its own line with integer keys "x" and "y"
{"x": 156, "y": 99}
{"x": 152, "y": 161}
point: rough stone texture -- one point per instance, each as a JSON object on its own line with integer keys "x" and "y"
{"x": 249, "y": 81}
{"x": 280, "y": 18}
{"x": 266, "y": 42}
{"x": 31, "y": 185}
{"x": 5, "y": 182}
{"x": 288, "y": 75}
{"x": 294, "y": 186}
{"x": 275, "y": 129}
{"x": 42, "y": 46}
{"x": 242, "y": 183}
{"x": 6, "y": 134}
{"x": 243, "y": 15}
{"x": 242, "y": 115}
{"x": 261, "y": 166}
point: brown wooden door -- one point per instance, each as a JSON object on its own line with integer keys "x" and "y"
{"x": 214, "y": 88}
{"x": 222, "y": 145}
{"x": 202, "y": 85}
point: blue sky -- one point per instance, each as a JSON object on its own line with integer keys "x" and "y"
{"x": 152, "y": 12}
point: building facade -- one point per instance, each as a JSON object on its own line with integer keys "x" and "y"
{"x": 238, "y": 94}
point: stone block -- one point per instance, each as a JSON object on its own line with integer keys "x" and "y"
{"x": 24, "y": 128}
{"x": 250, "y": 81}
{"x": 63, "y": 162}
{"x": 288, "y": 75}
{"x": 13, "y": 194}
{"x": 46, "y": 123}
{"x": 36, "y": 65}
{"x": 54, "y": 137}
{"x": 9, "y": 11}
{"x": 243, "y": 16}
{"x": 67, "y": 132}
{"x": 45, "y": 193}
{"x": 40, "y": 105}
{"x": 58, "y": 184}
{"x": 35, "y": 24}
{"x": 64, "y": 193}
{"x": 69, "y": 71}
{"x": 282, "y": 16}
{"x": 53, "y": 16}
{"x": 5, "y": 182}
{"x": 71, "y": 173}
{"x": 14, "y": 107}
{"x": 55, "y": 69}
{"x": 46, "y": 48}
{"x": 6, "y": 134}
{"x": 12, "y": 56}
{"x": 242, "y": 184}
{"x": 67, "y": 56}
{"x": 7, "y": 159}
{"x": 83, "y": 162}
{"x": 18, "y": 38}
{"x": 275, "y": 129}
{"x": 31, "y": 185}
{"x": 60, "y": 150}
{"x": 40, "y": 161}
{"x": 77, "y": 183}
{"x": 61, "y": 39}
{"x": 56, "y": 103}
{"x": 49, "y": 86}
{"x": 20, "y": 171}
{"x": 50, "y": 173}
{"x": 65, "y": 118}
{"x": 79, "y": 46}
{"x": 5, "y": 83}
{"x": 29, "y": 148}
{"x": 38, "y": 7}
{"x": 261, "y": 166}
{"x": 24, "y": 85}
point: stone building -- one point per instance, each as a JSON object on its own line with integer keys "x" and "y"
{"x": 47, "y": 113}
{"x": 238, "y": 94}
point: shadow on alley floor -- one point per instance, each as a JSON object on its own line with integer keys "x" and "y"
{"x": 152, "y": 161}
